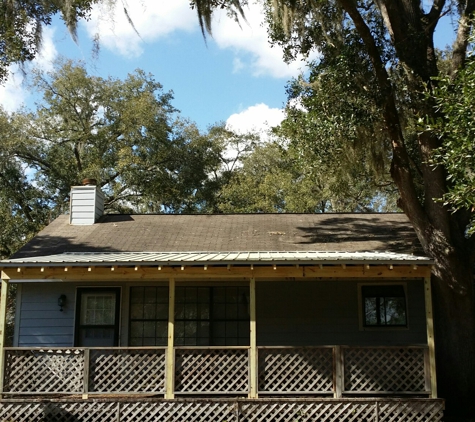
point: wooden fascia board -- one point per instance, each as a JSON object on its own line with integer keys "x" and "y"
{"x": 99, "y": 274}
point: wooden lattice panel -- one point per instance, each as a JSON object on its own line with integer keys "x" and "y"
{"x": 211, "y": 371}
{"x": 410, "y": 411}
{"x": 44, "y": 371}
{"x": 383, "y": 370}
{"x": 81, "y": 411}
{"x": 228, "y": 410}
{"x": 21, "y": 412}
{"x": 127, "y": 370}
{"x": 295, "y": 370}
{"x": 196, "y": 411}
{"x": 310, "y": 411}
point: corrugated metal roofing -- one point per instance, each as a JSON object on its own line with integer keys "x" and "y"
{"x": 216, "y": 258}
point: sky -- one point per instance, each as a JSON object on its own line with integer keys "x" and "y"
{"x": 234, "y": 77}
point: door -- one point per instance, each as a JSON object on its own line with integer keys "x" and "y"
{"x": 97, "y": 317}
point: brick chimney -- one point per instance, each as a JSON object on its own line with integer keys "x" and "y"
{"x": 87, "y": 203}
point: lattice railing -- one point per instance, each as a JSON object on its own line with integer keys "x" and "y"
{"x": 384, "y": 370}
{"x": 44, "y": 371}
{"x": 212, "y": 370}
{"x": 228, "y": 410}
{"x": 127, "y": 370}
{"x": 337, "y": 370}
{"x": 295, "y": 370}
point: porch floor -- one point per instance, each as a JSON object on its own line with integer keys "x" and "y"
{"x": 127, "y": 409}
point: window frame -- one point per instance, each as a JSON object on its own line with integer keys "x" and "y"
{"x": 361, "y": 308}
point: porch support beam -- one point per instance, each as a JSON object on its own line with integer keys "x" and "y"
{"x": 3, "y": 321}
{"x": 253, "y": 341}
{"x": 243, "y": 273}
{"x": 170, "y": 359}
{"x": 430, "y": 336}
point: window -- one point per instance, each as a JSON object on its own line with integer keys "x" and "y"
{"x": 384, "y": 306}
{"x": 148, "y": 316}
{"x": 212, "y": 316}
{"x": 204, "y": 316}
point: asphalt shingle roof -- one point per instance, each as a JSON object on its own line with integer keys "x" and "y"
{"x": 228, "y": 232}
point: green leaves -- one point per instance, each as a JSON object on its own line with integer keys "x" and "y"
{"x": 455, "y": 99}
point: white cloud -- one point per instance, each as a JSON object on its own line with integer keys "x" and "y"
{"x": 249, "y": 41}
{"x": 156, "y": 19}
{"x": 48, "y": 53}
{"x": 13, "y": 94}
{"x": 257, "y": 118}
{"x": 153, "y": 19}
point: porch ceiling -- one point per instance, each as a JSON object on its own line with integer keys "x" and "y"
{"x": 216, "y": 258}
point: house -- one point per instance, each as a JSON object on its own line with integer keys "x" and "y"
{"x": 250, "y": 317}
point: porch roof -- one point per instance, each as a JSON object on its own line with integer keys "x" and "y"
{"x": 80, "y": 259}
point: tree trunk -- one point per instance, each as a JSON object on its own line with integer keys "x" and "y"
{"x": 454, "y": 314}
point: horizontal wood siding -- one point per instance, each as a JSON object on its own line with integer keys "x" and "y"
{"x": 295, "y": 313}
{"x": 326, "y": 313}
{"x": 41, "y": 322}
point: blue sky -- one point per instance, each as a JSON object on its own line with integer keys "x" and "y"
{"x": 235, "y": 77}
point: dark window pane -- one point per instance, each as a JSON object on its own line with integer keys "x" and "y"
{"x": 384, "y": 305}
{"x": 179, "y": 311}
{"x": 190, "y": 329}
{"x": 150, "y": 294}
{"x": 136, "y": 329}
{"x": 136, "y": 341}
{"x": 149, "y": 311}
{"x": 370, "y": 311}
{"x": 161, "y": 329}
{"x": 219, "y": 311}
{"x": 191, "y": 311}
{"x": 191, "y": 295}
{"x": 231, "y": 311}
{"x": 162, "y": 295}
{"x": 162, "y": 311}
{"x": 219, "y": 295}
{"x": 231, "y": 329}
{"x": 136, "y": 295}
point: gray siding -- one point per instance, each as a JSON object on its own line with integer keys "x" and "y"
{"x": 327, "y": 313}
{"x": 288, "y": 313}
{"x": 41, "y": 323}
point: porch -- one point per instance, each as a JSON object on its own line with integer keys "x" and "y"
{"x": 324, "y": 371}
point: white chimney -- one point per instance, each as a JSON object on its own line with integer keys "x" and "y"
{"x": 87, "y": 203}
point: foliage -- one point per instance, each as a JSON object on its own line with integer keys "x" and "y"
{"x": 22, "y": 22}
{"x": 124, "y": 133}
{"x": 455, "y": 98}
{"x": 277, "y": 179}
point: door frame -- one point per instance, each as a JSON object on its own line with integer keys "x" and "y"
{"x": 103, "y": 289}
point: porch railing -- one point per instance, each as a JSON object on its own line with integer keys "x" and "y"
{"x": 326, "y": 370}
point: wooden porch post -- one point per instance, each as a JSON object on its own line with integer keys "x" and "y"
{"x": 3, "y": 324}
{"x": 253, "y": 341}
{"x": 430, "y": 336}
{"x": 170, "y": 360}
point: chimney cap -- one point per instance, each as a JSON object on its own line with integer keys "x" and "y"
{"x": 89, "y": 182}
